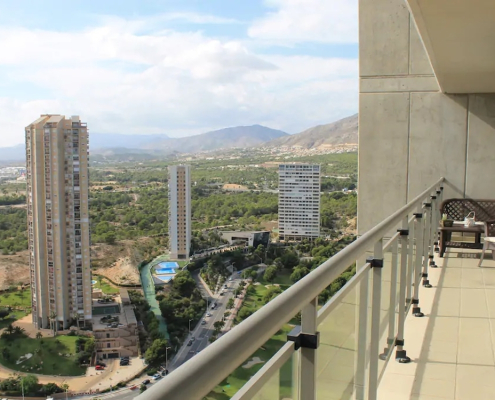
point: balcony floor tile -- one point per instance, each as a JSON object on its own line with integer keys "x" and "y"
{"x": 453, "y": 347}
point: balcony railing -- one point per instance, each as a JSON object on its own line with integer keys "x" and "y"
{"x": 341, "y": 349}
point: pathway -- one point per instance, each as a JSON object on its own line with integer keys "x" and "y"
{"x": 149, "y": 292}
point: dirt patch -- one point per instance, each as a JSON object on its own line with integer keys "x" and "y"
{"x": 119, "y": 262}
{"x": 269, "y": 225}
{"x": 232, "y": 186}
{"x": 351, "y": 228}
{"x": 14, "y": 269}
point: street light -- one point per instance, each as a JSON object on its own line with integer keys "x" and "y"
{"x": 166, "y": 358}
{"x": 190, "y": 326}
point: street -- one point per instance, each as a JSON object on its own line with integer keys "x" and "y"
{"x": 202, "y": 333}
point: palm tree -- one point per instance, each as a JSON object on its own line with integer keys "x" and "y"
{"x": 18, "y": 330}
{"x": 10, "y": 329}
{"x": 52, "y": 317}
{"x": 76, "y": 317}
{"x": 39, "y": 335}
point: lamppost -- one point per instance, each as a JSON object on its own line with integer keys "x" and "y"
{"x": 22, "y": 387}
{"x": 190, "y": 326}
{"x": 166, "y": 358}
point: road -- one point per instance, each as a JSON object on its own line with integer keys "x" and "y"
{"x": 202, "y": 333}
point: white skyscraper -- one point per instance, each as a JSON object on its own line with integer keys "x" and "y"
{"x": 299, "y": 201}
{"x": 179, "y": 211}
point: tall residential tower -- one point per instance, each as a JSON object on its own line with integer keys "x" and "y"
{"x": 179, "y": 211}
{"x": 299, "y": 201}
{"x": 58, "y": 225}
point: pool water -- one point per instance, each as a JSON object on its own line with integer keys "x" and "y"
{"x": 165, "y": 271}
{"x": 169, "y": 265}
{"x": 165, "y": 278}
{"x": 93, "y": 282}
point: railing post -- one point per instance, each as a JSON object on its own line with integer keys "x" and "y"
{"x": 433, "y": 229}
{"x": 377, "y": 265}
{"x": 426, "y": 243}
{"x": 418, "y": 261}
{"x": 400, "y": 354}
{"x": 439, "y": 203}
{"x": 410, "y": 263}
{"x": 308, "y": 355}
{"x": 393, "y": 302}
{"x": 362, "y": 340}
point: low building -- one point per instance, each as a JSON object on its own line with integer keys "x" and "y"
{"x": 115, "y": 329}
{"x": 250, "y": 238}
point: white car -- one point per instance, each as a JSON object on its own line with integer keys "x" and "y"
{"x": 208, "y": 314}
{"x": 156, "y": 377}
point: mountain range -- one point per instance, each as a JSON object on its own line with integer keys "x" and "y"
{"x": 343, "y": 131}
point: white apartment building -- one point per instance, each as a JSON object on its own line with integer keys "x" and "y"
{"x": 299, "y": 201}
{"x": 179, "y": 211}
{"x": 58, "y": 224}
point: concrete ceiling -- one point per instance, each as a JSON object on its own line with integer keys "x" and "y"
{"x": 459, "y": 36}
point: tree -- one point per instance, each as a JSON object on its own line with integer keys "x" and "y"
{"x": 30, "y": 383}
{"x": 156, "y": 353}
{"x": 6, "y": 353}
{"x": 10, "y": 329}
{"x": 270, "y": 273}
{"x": 212, "y": 338}
{"x": 19, "y": 331}
{"x": 218, "y": 325}
{"x": 230, "y": 303}
{"x": 4, "y": 313}
{"x": 39, "y": 335}
{"x": 52, "y": 317}
{"x": 89, "y": 346}
{"x": 143, "y": 388}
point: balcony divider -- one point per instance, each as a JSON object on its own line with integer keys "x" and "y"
{"x": 340, "y": 351}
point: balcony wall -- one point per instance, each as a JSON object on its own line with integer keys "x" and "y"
{"x": 409, "y": 131}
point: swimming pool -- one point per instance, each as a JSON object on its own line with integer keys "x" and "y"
{"x": 169, "y": 265}
{"x": 165, "y": 271}
{"x": 165, "y": 278}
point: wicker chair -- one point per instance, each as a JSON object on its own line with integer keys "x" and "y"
{"x": 489, "y": 240}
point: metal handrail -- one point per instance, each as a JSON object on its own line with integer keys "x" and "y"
{"x": 198, "y": 376}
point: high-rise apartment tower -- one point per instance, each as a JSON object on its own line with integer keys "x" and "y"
{"x": 179, "y": 211}
{"x": 299, "y": 201}
{"x": 58, "y": 225}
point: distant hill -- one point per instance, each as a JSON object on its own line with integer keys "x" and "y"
{"x": 343, "y": 131}
{"x": 14, "y": 153}
{"x": 239, "y": 136}
{"x": 114, "y": 140}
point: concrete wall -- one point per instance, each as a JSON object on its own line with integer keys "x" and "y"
{"x": 411, "y": 134}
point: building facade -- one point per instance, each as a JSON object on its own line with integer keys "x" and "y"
{"x": 426, "y": 104}
{"x": 58, "y": 224}
{"x": 179, "y": 211}
{"x": 299, "y": 201}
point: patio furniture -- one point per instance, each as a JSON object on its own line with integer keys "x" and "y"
{"x": 457, "y": 209}
{"x": 489, "y": 240}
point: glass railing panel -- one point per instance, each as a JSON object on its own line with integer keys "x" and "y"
{"x": 388, "y": 304}
{"x": 337, "y": 358}
{"x": 277, "y": 379}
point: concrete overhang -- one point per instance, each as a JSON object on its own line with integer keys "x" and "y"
{"x": 459, "y": 36}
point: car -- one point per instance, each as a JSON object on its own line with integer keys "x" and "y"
{"x": 222, "y": 293}
{"x": 203, "y": 322}
{"x": 124, "y": 362}
{"x": 99, "y": 367}
{"x": 146, "y": 382}
{"x": 225, "y": 286}
{"x": 124, "y": 358}
{"x": 231, "y": 279}
{"x": 190, "y": 342}
{"x": 208, "y": 314}
{"x": 101, "y": 364}
{"x": 156, "y": 377}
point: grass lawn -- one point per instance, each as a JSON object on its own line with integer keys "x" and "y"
{"x": 46, "y": 358}
{"x": 105, "y": 286}
{"x": 282, "y": 278}
{"x": 241, "y": 375}
{"x": 14, "y": 316}
{"x": 19, "y": 298}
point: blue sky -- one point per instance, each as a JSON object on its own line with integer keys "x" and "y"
{"x": 177, "y": 67}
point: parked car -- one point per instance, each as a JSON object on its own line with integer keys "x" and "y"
{"x": 225, "y": 286}
{"x": 222, "y": 293}
{"x": 208, "y": 314}
{"x": 145, "y": 382}
{"x": 124, "y": 358}
{"x": 203, "y": 322}
{"x": 124, "y": 362}
{"x": 100, "y": 363}
{"x": 190, "y": 342}
{"x": 156, "y": 377}
{"x": 99, "y": 367}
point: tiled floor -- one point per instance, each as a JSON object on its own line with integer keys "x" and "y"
{"x": 452, "y": 346}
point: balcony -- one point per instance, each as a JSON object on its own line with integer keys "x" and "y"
{"x": 408, "y": 325}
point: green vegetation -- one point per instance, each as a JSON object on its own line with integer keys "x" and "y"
{"x": 12, "y": 200}
{"x": 49, "y": 356}
{"x": 13, "y": 230}
{"x": 104, "y": 285}
{"x": 16, "y": 384}
{"x": 16, "y": 298}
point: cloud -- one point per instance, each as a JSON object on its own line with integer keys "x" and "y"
{"x": 298, "y": 21}
{"x": 121, "y": 80}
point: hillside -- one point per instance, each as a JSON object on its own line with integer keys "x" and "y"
{"x": 341, "y": 132}
{"x": 239, "y": 136}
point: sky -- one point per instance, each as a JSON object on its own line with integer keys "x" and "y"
{"x": 177, "y": 67}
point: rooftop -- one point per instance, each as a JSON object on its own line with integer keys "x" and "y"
{"x": 124, "y": 312}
